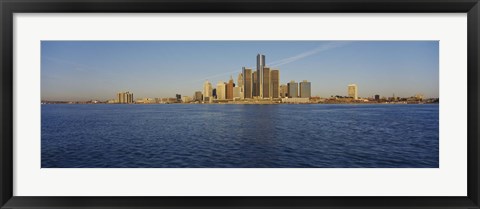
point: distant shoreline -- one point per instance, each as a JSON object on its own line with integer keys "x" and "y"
{"x": 243, "y": 104}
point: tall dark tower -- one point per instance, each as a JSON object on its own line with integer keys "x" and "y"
{"x": 229, "y": 89}
{"x": 254, "y": 84}
{"x": 275, "y": 80}
{"x": 247, "y": 82}
{"x": 260, "y": 65}
{"x": 266, "y": 93}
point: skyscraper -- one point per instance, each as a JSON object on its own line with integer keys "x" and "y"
{"x": 266, "y": 83}
{"x": 255, "y": 84}
{"x": 207, "y": 91}
{"x": 198, "y": 96}
{"x": 283, "y": 91}
{"x": 129, "y": 98}
{"x": 247, "y": 82}
{"x": 292, "y": 89}
{"x": 353, "y": 91}
{"x": 229, "y": 89}
{"x": 305, "y": 89}
{"x": 260, "y": 65}
{"x": 240, "y": 80}
{"x": 237, "y": 93}
{"x": 125, "y": 97}
{"x": 119, "y": 98}
{"x": 221, "y": 90}
{"x": 240, "y": 84}
{"x": 275, "y": 80}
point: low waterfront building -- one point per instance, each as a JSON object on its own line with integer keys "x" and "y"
{"x": 296, "y": 100}
{"x": 419, "y": 97}
{"x": 145, "y": 101}
{"x": 186, "y": 99}
{"x": 168, "y": 100}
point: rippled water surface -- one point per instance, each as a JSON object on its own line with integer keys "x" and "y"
{"x": 240, "y": 136}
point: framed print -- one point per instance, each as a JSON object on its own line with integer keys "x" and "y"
{"x": 265, "y": 104}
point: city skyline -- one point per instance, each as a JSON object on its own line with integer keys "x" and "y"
{"x": 84, "y": 70}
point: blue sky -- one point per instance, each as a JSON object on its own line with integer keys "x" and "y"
{"x": 85, "y": 70}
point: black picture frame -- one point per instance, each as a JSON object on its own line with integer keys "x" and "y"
{"x": 9, "y": 7}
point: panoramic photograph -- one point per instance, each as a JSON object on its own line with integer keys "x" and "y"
{"x": 240, "y": 104}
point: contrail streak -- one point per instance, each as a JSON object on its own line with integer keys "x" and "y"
{"x": 277, "y": 63}
{"x": 300, "y": 56}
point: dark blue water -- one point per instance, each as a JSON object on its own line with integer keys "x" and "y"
{"x": 240, "y": 136}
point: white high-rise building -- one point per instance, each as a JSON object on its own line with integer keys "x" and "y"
{"x": 353, "y": 91}
{"x": 240, "y": 80}
{"x": 221, "y": 94}
{"x": 240, "y": 84}
{"x": 237, "y": 92}
{"x": 207, "y": 91}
